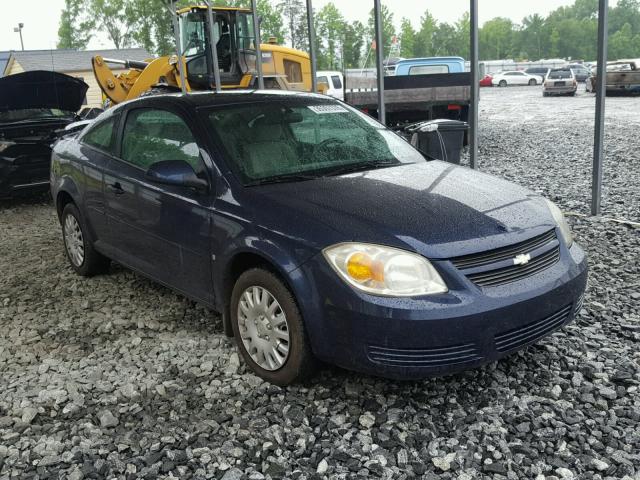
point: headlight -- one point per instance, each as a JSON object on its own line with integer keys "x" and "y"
{"x": 384, "y": 270}
{"x": 4, "y": 144}
{"x": 558, "y": 216}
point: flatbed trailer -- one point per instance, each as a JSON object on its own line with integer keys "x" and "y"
{"x": 414, "y": 98}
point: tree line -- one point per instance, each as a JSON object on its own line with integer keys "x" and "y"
{"x": 567, "y": 32}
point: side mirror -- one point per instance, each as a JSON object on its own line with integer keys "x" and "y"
{"x": 176, "y": 172}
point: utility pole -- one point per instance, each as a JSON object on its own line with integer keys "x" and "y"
{"x": 18, "y": 29}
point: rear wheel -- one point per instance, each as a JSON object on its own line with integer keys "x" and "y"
{"x": 84, "y": 259}
{"x": 503, "y": 83}
{"x": 533, "y": 82}
{"x": 269, "y": 328}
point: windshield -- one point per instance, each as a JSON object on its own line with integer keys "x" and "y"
{"x": 33, "y": 114}
{"x": 560, "y": 74}
{"x": 301, "y": 139}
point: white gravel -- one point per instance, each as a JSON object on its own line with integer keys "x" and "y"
{"x": 116, "y": 377}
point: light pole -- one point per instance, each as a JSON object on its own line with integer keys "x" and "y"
{"x": 18, "y": 29}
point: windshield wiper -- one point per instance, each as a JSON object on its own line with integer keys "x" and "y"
{"x": 360, "y": 167}
{"x": 286, "y": 177}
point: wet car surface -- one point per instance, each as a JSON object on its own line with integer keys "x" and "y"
{"x": 351, "y": 248}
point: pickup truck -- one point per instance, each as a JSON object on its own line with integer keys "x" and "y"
{"x": 420, "y": 89}
{"x": 623, "y": 78}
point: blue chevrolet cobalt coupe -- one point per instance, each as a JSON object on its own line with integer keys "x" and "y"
{"x": 317, "y": 233}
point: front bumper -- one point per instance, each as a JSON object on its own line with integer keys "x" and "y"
{"x": 24, "y": 175}
{"x": 441, "y": 334}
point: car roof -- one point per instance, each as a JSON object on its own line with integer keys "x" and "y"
{"x": 229, "y": 97}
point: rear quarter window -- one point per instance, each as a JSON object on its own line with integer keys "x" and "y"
{"x": 101, "y": 135}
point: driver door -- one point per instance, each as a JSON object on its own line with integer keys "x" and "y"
{"x": 163, "y": 231}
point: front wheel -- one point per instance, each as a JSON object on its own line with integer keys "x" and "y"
{"x": 269, "y": 328}
{"x": 84, "y": 259}
{"x": 533, "y": 82}
{"x": 503, "y": 83}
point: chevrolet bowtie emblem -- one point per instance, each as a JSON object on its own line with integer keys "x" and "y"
{"x": 522, "y": 259}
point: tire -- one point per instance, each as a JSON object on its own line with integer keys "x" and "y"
{"x": 84, "y": 259}
{"x": 533, "y": 82}
{"x": 502, "y": 83}
{"x": 298, "y": 364}
{"x": 545, "y": 94}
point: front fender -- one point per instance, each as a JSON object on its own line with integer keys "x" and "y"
{"x": 282, "y": 255}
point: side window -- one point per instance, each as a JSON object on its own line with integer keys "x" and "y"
{"x": 336, "y": 82}
{"x": 100, "y": 136}
{"x": 152, "y": 136}
{"x": 293, "y": 71}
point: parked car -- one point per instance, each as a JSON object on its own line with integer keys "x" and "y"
{"x": 334, "y": 80}
{"x": 317, "y": 233}
{"x": 538, "y": 71}
{"x": 515, "y": 77}
{"x": 580, "y": 72}
{"x": 560, "y": 81}
{"x": 33, "y": 107}
{"x": 486, "y": 81}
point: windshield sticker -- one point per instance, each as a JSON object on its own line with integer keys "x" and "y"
{"x": 321, "y": 109}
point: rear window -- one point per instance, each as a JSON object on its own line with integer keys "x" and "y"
{"x": 560, "y": 74}
{"x": 428, "y": 69}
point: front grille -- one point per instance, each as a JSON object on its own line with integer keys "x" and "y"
{"x": 531, "y": 332}
{"x": 425, "y": 357}
{"x": 487, "y": 269}
{"x": 504, "y": 253}
{"x": 516, "y": 272}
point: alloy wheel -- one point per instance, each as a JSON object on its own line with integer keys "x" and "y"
{"x": 263, "y": 328}
{"x": 73, "y": 240}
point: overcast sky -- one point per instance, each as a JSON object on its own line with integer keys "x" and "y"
{"x": 40, "y": 17}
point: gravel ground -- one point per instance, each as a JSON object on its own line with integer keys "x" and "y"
{"x": 116, "y": 377}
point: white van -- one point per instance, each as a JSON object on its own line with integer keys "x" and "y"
{"x": 335, "y": 80}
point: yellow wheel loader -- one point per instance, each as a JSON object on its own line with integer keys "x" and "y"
{"x": 233, "y": 41}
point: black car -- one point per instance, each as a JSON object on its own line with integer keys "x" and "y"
{"x": 580, "y": 72}
{"x": 34, "y": 106}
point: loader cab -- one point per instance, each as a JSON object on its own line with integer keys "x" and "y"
{"x": 233, "y": 36}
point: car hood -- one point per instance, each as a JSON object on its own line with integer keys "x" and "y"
{"x": 41, "y": 89}
{"x": 435, "y": 208}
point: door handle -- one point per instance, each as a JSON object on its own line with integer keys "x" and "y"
{"x": 116, "y": 188}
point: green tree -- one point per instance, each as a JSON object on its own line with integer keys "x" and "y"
{"x": 330, "y": 29}
{"x": 462, "y": 36}
{"x": 621, "y": 43}
{"x": 424, "y": 45}
{"x": 75, "y": 26}
{"x": 444, "y": 40}
{"x": 496, "y": 39}
{"x": 531, "y": 37}
{"x": 116, "y": 18}
{"x": 407, "y": 38}
{"x": 295, "y": 16}
{"x": 354, "y": 40}
{"x": 388, "y": 30}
